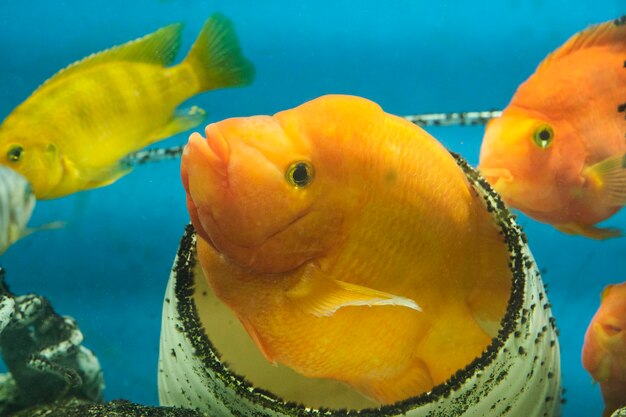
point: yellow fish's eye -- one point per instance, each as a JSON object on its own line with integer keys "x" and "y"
{"x": 543, "y": 136}
{"x": 300, "y": 174}
{"x": 15, "y": 153}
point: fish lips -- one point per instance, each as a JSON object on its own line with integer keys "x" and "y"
{"x": 204, "y": 169}
{"x": 499, "y": 178}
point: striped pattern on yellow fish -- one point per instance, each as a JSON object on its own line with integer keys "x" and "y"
{"x": 72, "y": 132}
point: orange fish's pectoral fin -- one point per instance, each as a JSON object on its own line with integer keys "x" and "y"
{"x": 323, "y": 296}
{"x": 609, "y": 176}
{"x": 183, "y": 119}
{"x": 591, "y": 232}
{"x": 415, "y": 380}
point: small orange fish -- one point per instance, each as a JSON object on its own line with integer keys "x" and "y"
{"x": 557, "y": 153}
{"x": 604, "y": 350}
{"x": 349, "y": 244}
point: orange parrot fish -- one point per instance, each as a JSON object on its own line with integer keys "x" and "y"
{"x": 349, "y": 244}
{"x": 558, "y": 152}
{"x": 604, "y": 350}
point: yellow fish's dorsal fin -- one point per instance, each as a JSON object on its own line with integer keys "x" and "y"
{"x": 323, "y": 296}
{"x": 611, "y": 33}
{"x": 158, "y": 48}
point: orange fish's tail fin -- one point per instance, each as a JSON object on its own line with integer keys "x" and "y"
{"x": 216, "y": 57}
{"x": 415, "y": 380}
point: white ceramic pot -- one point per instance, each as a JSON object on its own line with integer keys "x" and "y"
{"x": 207, "y": 361}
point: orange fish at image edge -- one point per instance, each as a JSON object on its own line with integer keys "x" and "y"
{"x": 604, "y": 350}
{"x": 557, "y": 153}
{"x": 349, "y": 244}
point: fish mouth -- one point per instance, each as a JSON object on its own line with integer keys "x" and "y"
{"x": 205, "y": 177}
{"x": 212, "y": 150}
{"x": 494, "y": 175}
{"x": 197, "y": 155}
{"x": 499, "y": 178}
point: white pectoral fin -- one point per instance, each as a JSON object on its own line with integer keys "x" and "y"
{"x": 609, "y": 176}
{"x": 323, "y": 296}
{"x": 47, "y": 226}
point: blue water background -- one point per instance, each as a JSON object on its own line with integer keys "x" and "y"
{"x": 108, "y": 268}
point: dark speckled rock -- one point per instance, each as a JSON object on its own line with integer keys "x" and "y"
{"x": 119, "y": 408}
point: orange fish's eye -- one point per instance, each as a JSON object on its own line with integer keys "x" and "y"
{"x": 14, "y": 153}
{"x": 543, "y": 136}
{"x": 300, "y": 174}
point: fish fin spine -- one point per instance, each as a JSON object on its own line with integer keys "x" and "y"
{"x": 216, "y": 58}
{"x": 159, "y": 47}
{"x": 602, "y": 34}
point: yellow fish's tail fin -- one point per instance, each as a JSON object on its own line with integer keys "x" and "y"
{"x": 216, "y": 57}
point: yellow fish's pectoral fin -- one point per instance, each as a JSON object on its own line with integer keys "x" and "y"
{"x": 183, "y": 120}
{"x": 415, "y": 380}
{"x": 609, "y": 176}
{"x": 99, "y": 177}
{"x": 591, "y": 232}
{"x": 323, "y": 296}
{"x": 159, "y": 48}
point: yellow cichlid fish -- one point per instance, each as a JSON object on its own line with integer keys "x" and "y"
{"x": 349, "y": 244}
{"x": 72, "y": 132}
